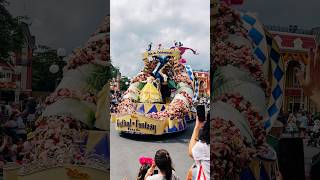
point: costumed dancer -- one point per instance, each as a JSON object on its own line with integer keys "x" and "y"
{"x": 150, "y": 93}
{"x": 158, "y": 73}
{"x": 182, "y": 49}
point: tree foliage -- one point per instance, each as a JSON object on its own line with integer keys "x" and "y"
{"x": 123, "y": 85}
{"x": 11, "y": 35}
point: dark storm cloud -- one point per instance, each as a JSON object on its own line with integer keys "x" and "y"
{"x": 62, "y": 23}
{"x": 305, "y": 14}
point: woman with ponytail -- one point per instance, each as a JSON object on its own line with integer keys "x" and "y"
{"x": 162, "y": 161}
{"x": 199, "y": 150}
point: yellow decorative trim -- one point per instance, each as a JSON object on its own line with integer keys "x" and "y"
{"x": 74, "y": 173}
{"x": 296, "y": 56}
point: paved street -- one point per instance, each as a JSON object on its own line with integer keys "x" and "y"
{"x": 126, "y": 150}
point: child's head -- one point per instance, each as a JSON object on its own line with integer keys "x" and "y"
{"x": 143, "y": 171}
{"x": 146, "y": 163}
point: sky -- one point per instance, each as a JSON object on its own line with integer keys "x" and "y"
{"x": 61, "y": 23}
{"x": 305, "y": 13}
{"x": 136, "y": 23}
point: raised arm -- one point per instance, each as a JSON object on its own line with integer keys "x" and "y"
{"x": 195, "y": 136}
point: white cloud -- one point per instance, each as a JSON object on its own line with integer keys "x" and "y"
{"x": 134, "y": 24}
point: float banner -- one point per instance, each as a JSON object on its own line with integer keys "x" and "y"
{"x": 140, "y": 124}
{"x": 162, "y": 52}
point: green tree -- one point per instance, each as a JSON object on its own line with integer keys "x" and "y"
{"x": 124, "y": 83}
{"x": 11, "y": 34}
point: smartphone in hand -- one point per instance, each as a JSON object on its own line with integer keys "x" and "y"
{"x": 201, "y": 112}
{"x": 155, "y": 171}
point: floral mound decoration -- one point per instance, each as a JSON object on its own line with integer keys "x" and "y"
{"x": 95, "y": 51}
{"x": 67, "y": 93}
{"x": 127, "y": 106}
{"x": 53, "y": 143}
{"x": 61, "y": 137}
{"x": 232, "y": 153}
{"x": 182, "y": 100}
{"x": 254, "y": 118}
{"x": 228, "y": 53}
{"x": 228, "y": 22}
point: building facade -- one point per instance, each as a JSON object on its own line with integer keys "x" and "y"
{"x": 203, "y": 78}
{"x": 294, "y": 49}
{"x": 16, "y": 72}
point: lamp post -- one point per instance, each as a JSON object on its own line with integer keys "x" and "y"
{"x": 54, "y": 68}
{"x": 17, "y": 92}
{"x": 61, "y": 52}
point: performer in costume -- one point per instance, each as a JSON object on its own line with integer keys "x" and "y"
{"x": 149, "y": 47}
{"x": 162, "y": 62}
{"x": 182, "y": 49}
{"x": 150, "y": 93}
{"x": 165, "y": 89}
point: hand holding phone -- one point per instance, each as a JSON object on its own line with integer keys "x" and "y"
{"x": 155, "y": 171}
{"x": 201, "y": 113}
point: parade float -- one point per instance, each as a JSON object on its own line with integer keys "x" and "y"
{"x": 247, "y": 74}
{"x": 160, "y": 98}
{"x": 71, "y": 136}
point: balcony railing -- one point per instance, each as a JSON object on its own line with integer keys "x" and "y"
{"x": 289, "y": 29}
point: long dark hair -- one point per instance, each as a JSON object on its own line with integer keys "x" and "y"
{"x": 164, "y": 163}
{"x": 204, "y": 135}
{"x": 143, "y": 171}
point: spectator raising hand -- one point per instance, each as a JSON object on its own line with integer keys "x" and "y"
{"x": 311, "y": 84}
{"x": 199, "y": 150}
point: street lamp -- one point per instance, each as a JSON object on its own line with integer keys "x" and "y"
{"x": 54, "y": 68}
{"x": 17, "y": 71}
{"x": 61, "y": 52}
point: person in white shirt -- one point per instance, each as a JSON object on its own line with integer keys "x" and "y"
{"x": 303, "y": 123}
{"x": 21, "y": 131}
{"x": 199, "y": 148}
{"x": 8, "y": 109}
